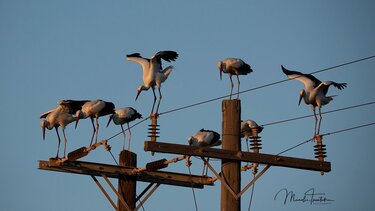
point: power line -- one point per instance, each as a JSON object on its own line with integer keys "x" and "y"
{"x": 129, "y": 128}
{"x": 295, "y": 146}
{"x": 266, "y": 85}
{"x": 326, "y": 112}
{"x": 248, "y": 90}
{"x": 348, "y": 129}
{"x": 326, "y": 134}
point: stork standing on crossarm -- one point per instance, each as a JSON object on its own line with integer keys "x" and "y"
{"x": 233, "y": 66}
{"x": 203, "y": 138}
{"x": 94, "y": 109}
{"x": 60, "y": 117}
{"x": 122, "y": 116}
{"x": 153, "y": 73}
{"x": 315, "y": 92}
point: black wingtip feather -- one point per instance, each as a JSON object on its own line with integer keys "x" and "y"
{"x": 134, "y": 55}
{"x": 340, "y": 86}
{"x": 286, "y": 71}
{"x": 167, "y": 55}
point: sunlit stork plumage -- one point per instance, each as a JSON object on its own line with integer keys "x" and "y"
{"x": 233, "y": 66}
{"x": 94, "y": 109}
{"x": 203, "y": 138}
{"x": 247, "y": 127}
{"x": 122, "y": 116}
{"x": 315, "y": 92}
{"x": 60, "y": 117}
{"x": 153, "y": 73}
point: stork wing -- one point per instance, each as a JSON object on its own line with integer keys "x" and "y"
{"x": 136, "y": 57}
{"x": 308, "y": 80}
{"x": 339, "y": 85}
{"x": 109, "y": 108}
{"x": 166, "y": 55}
{"x": 71, "y": 106}
{"x": 325, "y": 85}
{"x": 212, "y": 136}
{"x": 44, "y": 115}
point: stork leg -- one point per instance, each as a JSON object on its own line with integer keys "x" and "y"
{"x": 58, "y": 143}
{"x": 231, "y": 87}
{"x": 97, "y": 129}
{"x": 316, "y": 119}
{"x": 124, "y": 137}
{"x": 238, "y": 93}
{"x": 130, "y": 135}
{"x": 153, "y": 105}
{"x": 94, "y": 130}
{"x": 320, "y": 119}
{"x": 247, "y": 143}
{"x": 160, "y": 97}
{"x": 65, "y": 140}
{"x": 205, "y": 167}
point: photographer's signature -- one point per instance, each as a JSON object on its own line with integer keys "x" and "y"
{"x": 310, "y": 196}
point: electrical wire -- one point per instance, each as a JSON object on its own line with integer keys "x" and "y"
{"x": 326, "y": 112}
{"x": 326, "y": 134}
{"x": 348, "y": 129}
{"x": 263, "y": 86}
{"x": 192, "y": 188}
{"x": 295, "y": 146}
{"x": 251, "y": 195}
{"x": 248, "y": 90}
{"x": 117, "y": 134}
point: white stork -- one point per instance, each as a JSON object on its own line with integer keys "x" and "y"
{"x": 94, "y": 109}
{"x": 203, "y": 138}
{"x": 153, "y": 73}
{"x": 247, "y": 127}
{"x": 122, "y": 116}
{"x": 314, "y": 93}
{"x": 60, "y": 116}
{"x": 233, "y": 66}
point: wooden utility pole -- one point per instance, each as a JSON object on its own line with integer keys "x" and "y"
{"x": 127, "y": 186}
{"x": 231, "y": 140}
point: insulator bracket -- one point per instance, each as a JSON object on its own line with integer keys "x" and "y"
{"x": 320, "y": 149}
{"x": 156, "y": 165}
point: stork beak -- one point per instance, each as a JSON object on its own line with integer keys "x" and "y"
{"x": 300, "y": 99}
{"x": 221, "y": 74}
{"x": 139, "y": 92}
{"x": 77, "y": 119}
{"x": 44, "y": 132}
{"x": 110, "y": 119}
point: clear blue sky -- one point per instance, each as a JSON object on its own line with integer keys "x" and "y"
{"x": 53, "y": 50}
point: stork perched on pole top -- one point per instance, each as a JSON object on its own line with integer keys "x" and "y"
{"x": 94, "y": 109}
{"x": 233, "y": 66}
{"x": 203, "y": 138}
{"x": 247, "y": 127}
{"x": 60, "y": 116}
{"x": 315, "y": 92}
{"x": 122, "y": 116}
{"x": 153, "y": 73}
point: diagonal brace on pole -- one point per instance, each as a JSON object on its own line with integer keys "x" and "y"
{"x": 236, "y": 196}
{"x": 116, "y": 192}
{"x": 104, "y": 192}
{"x": 120, "y": 197}
{"x": 147, "y": 196}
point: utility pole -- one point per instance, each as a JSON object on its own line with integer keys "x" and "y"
{"x": 231, "y": 140}
{"x": 127, "y": 186}
{"x": 230, "y": 155}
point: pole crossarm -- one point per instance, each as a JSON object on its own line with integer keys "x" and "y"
{"x": 114, "y": 171}
{"x": 273, "y": 160}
